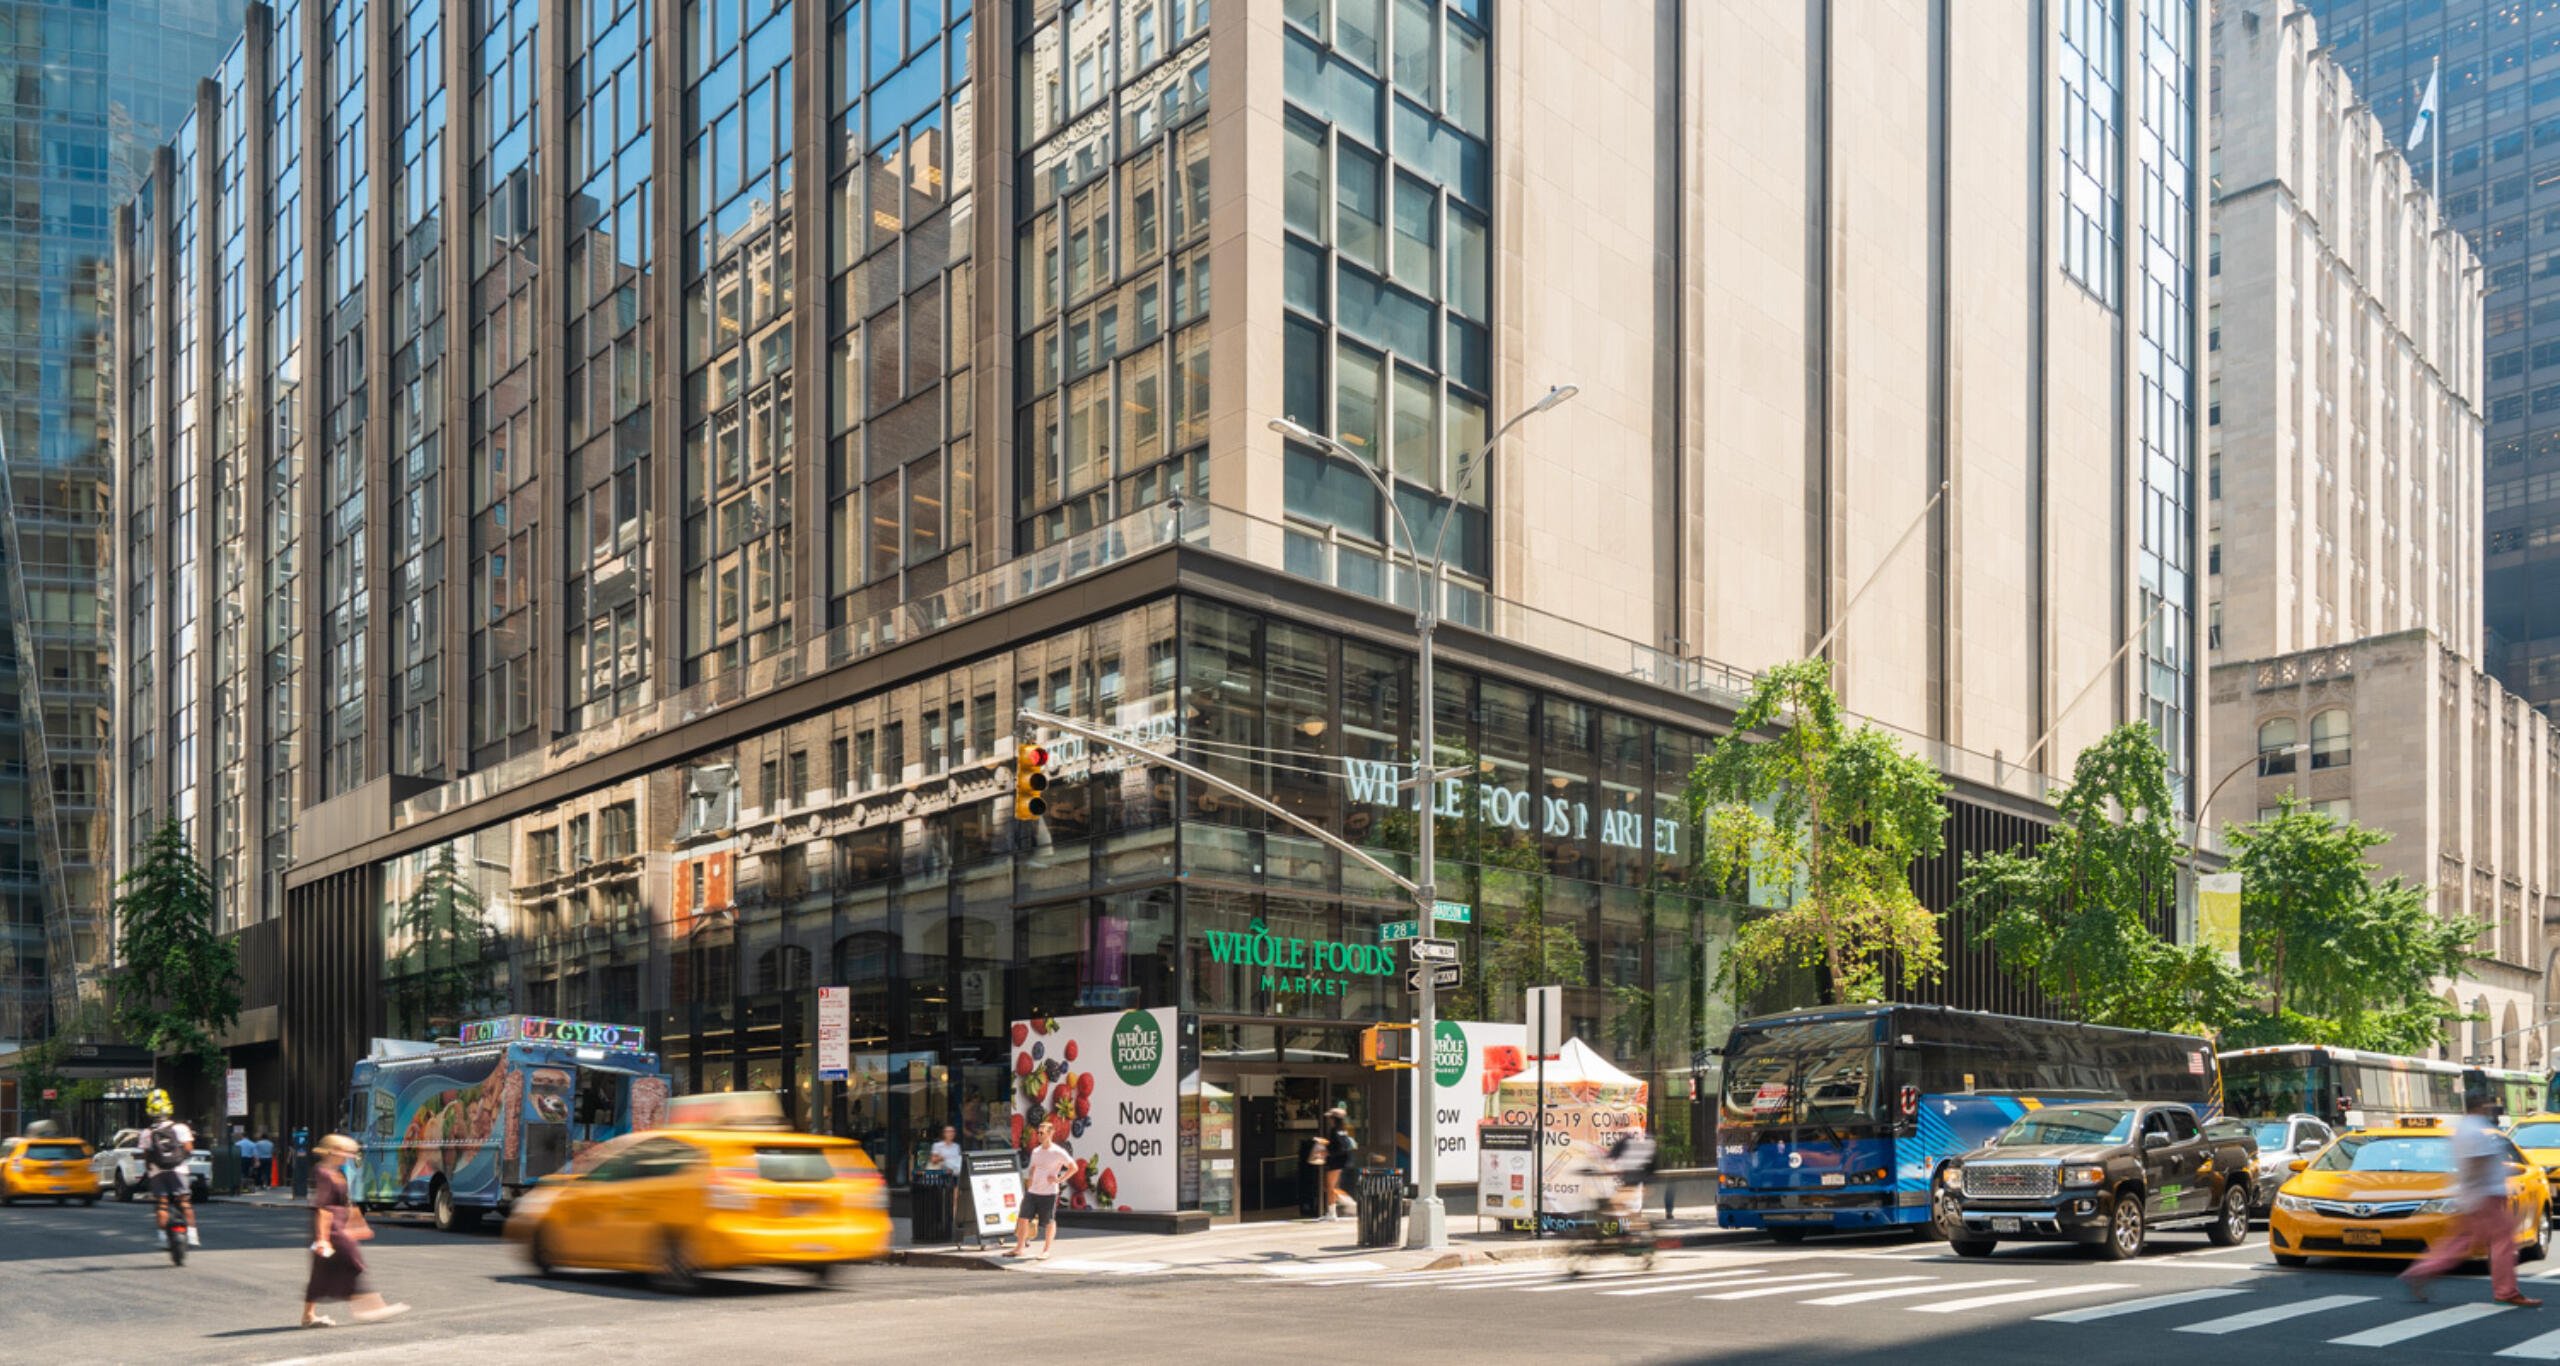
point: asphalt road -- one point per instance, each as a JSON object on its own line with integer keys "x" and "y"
{"x": 90, "y": 1285}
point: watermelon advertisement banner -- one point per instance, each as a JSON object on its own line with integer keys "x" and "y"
{"x": 1108, "y": 1086}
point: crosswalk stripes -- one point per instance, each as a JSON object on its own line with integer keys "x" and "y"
{"x": 1906, "y": 1292}
{"x": 2051, "y": 1292}
{"x": 1761, "y": 1291}
{"x": 1701, "y": 1281}
{"x": 2418, "y": 1327}
{"x": 2545, "y": 1347}
{"x": 2278, "y": 1313}
{"x": 2108, "y": 1311}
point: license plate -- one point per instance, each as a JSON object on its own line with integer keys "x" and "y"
{"x": 800, "y": 1209}
{"x": 1835, "y": 1179}
{"x": 815, "y": 1247}
{"x": 2364, "y": 1237}
{"x": 2004, "y": 1225}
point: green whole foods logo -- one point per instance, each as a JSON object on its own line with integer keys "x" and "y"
{"x": 1137, "y": 1048}
{"x": 1448, "y": 1054}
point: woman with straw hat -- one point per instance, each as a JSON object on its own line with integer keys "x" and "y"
{"x": 338, "y": 1234}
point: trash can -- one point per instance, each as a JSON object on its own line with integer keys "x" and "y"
{"x": 1380, "y": 1193}
{"x": 929, "y": 1209}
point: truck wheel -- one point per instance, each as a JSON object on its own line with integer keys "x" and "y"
{"x": 451, "y": 1218}
{"x": 1973, "y": 1247}
{"x": 2232, "y": 1229}
{"x": 2125, "y": 1230}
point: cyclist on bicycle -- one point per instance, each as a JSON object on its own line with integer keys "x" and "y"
{"x": 165, "y": 1149}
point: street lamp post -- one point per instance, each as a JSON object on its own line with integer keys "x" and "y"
{"x": 2195, "y": 824}
{"x": 1430, "y": 1225}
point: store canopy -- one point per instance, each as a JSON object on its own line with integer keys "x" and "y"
{"x": 1575, "y": 1063}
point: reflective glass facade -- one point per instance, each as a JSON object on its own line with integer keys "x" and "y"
{"x": 873, "y": 846}
{"x": 90, "y": 92}
{"x": 2499, "y": 109}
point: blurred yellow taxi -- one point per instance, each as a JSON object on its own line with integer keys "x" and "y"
{"x": 46, "y": 1168}
{"x": 715, "y": 1190}
{"x": 2388, "y": 1191}
{"x": 2539, "y": 1137}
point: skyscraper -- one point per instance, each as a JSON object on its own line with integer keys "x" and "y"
{"x": 2499, "y": 114}
{"x": 687, "y": 436}
{"x": 90, "y": 90}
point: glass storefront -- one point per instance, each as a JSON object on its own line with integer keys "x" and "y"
{"x": 873, "y": 847}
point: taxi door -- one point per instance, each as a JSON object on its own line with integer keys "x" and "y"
{"x": 570, "y": 1226}
{"x": 658, "y": 1190}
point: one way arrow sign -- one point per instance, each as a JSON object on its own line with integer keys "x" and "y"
{"x": 1443, "y": 977}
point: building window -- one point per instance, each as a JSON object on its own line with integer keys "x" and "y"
{"x": 2331, "y": 734}
{"x": 2276, "y": 739}
{"x": 621, "y": 831}
{"x": 2337, "y": 809}
{"x": 2091, "y": 62}
{"x": 839, "y": 766}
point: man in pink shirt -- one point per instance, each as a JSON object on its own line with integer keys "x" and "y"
{"x": 1042, "y": 1180}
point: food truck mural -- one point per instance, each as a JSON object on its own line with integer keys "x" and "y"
{"x": 461, "y": 1127}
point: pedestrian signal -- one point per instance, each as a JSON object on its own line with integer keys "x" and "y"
{"x": 1030, "y": 779}
{"x": 1387, "y": 1046}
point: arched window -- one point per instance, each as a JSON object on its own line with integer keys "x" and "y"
{"x": 2276, "y": 739}
{"x": 2332, "y": 739}
{"x": 2480, "y": 1027}
{"x": 2510, "y": 1037}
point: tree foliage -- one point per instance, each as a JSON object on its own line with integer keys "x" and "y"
{"x": 446, "y": 964}
{"x": 2344, "y": 959}
{"x": 176, "y": 986}
{"x": 1796, "y": 798}
{"x": 2074, "y": 914}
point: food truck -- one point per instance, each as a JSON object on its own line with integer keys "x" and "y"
{"x": 462, "y": 1126}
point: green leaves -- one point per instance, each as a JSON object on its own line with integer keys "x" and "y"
{"x": 2073, "y": 915}
{"x": 2347, "y": 960}
{"x": 1794, "y": 799}
{"x": 177, "y": 982}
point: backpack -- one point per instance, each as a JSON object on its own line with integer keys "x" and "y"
{"x": 164, "y": 1149}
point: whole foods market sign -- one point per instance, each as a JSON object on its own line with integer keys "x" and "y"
{"x": 1377, "y": 783}
{"x": 1292, "y": 965}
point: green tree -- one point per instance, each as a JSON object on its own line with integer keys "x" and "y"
{"x": 2344, "y": 959}
{"x": 1795, "y": 797}
{"x": 2073, "y": 915}
{"x": 176, "y": 986}
{"x": 446, "y": 965}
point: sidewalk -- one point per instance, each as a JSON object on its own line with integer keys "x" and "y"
{"x": 1276, "y": 1248}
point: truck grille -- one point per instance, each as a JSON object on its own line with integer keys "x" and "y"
{"x": 2009, "y": 1180}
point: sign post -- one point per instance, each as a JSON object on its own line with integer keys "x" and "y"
{"x": 835, "y": 1015}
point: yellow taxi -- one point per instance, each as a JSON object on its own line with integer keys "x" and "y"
{"x": 37, "y": 1168}
{"x": 723, "y": 1187}
{"x": 2390, "y": 1190}
{"x": 2539, "y": 1137}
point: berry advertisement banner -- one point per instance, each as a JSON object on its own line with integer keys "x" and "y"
{"x": 1107, "y": 1086}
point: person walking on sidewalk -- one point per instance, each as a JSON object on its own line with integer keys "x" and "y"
{"x": 266, "y": 1159}
{"x": 1042, "y": 1181}
{"x": 338, "y": 1234}
{"x": 2481, "y": 1158}
{"x": 1339, "y": 1146}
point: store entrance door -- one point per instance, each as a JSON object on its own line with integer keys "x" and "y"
{"x": 1279, "y": 1110}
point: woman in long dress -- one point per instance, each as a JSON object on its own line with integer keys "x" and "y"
{"x": 337, "y": 1249}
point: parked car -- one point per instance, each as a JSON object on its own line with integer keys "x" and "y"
{"x": 2280, "y": 1141}
{"x": 120, "y": 1166}
{"x": 2106, "y": 1174}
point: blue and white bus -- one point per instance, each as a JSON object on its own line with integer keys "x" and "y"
{"x": 1839, "y": 1117}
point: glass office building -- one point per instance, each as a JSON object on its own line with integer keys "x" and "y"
{"x": 2499, "y": 108}
{"x": 544, "y": 639}
{"x": 90, "y": 91}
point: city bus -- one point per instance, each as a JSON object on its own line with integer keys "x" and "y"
{"x": 2350, "y": 1088}
{"x": 1839, "y": 1117}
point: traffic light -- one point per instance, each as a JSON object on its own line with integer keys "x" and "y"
{"x": 1030, "y": 779}
{"x": 1387, "y": 1047}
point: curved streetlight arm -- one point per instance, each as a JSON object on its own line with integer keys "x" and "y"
{"x": 1555, "y": 397}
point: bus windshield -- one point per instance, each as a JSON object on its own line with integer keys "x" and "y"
{"x": 1814, "y": 1072}
{"x": 2062, "y": 1127}
{"x": 2271, "y": 1086}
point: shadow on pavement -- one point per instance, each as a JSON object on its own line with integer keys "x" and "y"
{"x": 622, "y": 1286}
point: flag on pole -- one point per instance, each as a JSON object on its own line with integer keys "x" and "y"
{"x": 2426, "y": 120}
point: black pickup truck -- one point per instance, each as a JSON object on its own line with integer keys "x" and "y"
{"x": 2102, "y": 1173}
